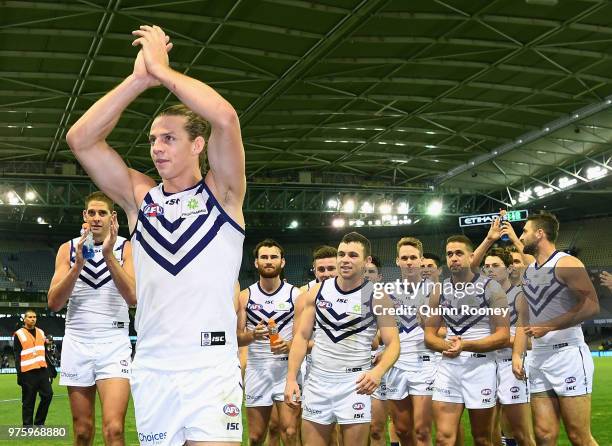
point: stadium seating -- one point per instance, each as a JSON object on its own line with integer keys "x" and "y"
{"x": 33, "y": 268}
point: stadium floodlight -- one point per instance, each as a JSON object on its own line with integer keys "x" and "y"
{"x": 348, "y": 206}
{"x": 524, "y": 196}
{"x": 565, "y": 182}
{"x": 385, "y": 208}
{"x": 370, "y": 222}
{"x": 30, "y": 195}
{"x": 378, "y": 223}
{"x": 435, "y": 208}
{"x": 366, "y": 207}
{"x": 41, "y": 221}
{"x": 359, "y": 223}
{"x": 596, "y": 172}
{"x": 332, "y": 203}
{"x": 294, "y": 224}
{"x": 338, "y": 222}
{"x": 402, "y": 207}
{"x": 13, "y": 198}
{"x": 540, "y": 191}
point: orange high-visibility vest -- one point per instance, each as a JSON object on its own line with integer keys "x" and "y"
{"x": 32, "y": 350}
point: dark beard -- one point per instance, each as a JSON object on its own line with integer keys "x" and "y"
{"x": 267, "y": 274}
{"x": 530, "y": 249}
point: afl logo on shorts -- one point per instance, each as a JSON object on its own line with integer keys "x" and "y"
{"x": 231, "y": 410}
{"x": 324, "y": 304}
{"x": 123, "y": 362}
{"x": 514, "y": 389}
{"x": 485, "y": 392}
{"x": 153, "y": 210}
{"x": 570, "y": 380}
{"x": 358, "y": 406}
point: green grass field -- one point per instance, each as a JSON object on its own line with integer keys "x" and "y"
{"x": 59, "y": 413}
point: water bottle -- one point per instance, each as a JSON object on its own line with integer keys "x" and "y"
{"x": 88, "y": 245}
{"x": 504, "y": 237}
{"x": 273, "y": 332}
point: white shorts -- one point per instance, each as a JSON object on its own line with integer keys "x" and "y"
{"x": 265, "y": 383}
{"x": 568, "y": 371}
{"x": 199, "y": 405}
{"x": 82, "y": 364}
{"x": 509, "y": 389}
{"x": 329, "y": 399}
{"x": 468, "y": 380}
{"x": 416, "y": 380}
{"x": 305, "y": 367}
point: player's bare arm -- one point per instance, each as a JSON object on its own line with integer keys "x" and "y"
{"x": 299, "y": 346}
{"x": 299, "y": 307}
{"x": 245, "y": 337}
{"x": 226, "y": 176}
{"x": 370, "y": 380}
{"x": 87, "y": 140}
{"x": 520, "y": 342}
{"x": 65, "y": 276}
{"x": 432, "y": 325}
{"x": 493, "y": 235}
{"x": 123, "y": 276}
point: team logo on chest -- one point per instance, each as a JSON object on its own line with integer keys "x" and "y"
{"x": 193, "y": 206}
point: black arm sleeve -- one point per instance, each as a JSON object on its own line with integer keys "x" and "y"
{"x": 17, "y": 351}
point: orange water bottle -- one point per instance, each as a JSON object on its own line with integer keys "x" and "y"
{"x": 273, "y": 332}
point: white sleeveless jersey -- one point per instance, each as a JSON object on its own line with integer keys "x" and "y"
{"x": 411, "y": 334}
{"x": 187, "y": 253}
{"x": 547, "y": 299}
{"x": 96, "y": 310}
{"x": 462, "y": 299}
{"x": 512, "y": 293}
{"x": 311, "y": 284}
{"x": 345, "y": 328}
{"x": 280, "y": 306}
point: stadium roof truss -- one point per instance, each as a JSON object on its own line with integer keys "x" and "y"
{"x": 474, "y": 100}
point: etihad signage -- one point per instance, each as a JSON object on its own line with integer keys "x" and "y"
{"x": 487, "y": 219}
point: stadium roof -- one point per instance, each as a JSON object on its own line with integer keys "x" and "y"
{"x": 479, "y": 96}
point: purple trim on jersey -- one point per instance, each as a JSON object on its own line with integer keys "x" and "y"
{"x": 169, "y": 194}
{"x": 350, "y": 291}
{"x": 535, "y": 265}
{"x": 229, "y": 219}
{"x": 273, "y": 292}
{"x": 95, "y": 285}
{"x": 324, "y": 319}
{"x": 175, "y": 269}
{"x": 93, "y": 274}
